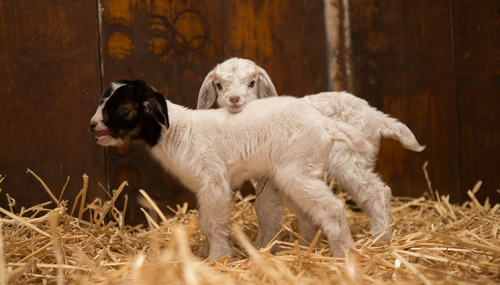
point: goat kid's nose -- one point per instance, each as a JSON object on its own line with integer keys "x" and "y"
{"x": 234, "y": 99}
{"x": 92, "y": 127}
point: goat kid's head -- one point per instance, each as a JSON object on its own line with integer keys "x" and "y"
{"x": 234, "y": 83}
{"x": 129, "y": 110}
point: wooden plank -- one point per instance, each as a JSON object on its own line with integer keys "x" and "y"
{"x": 402, "y": 64}
{"x": 50, "y": 77}
{"x": 172, "y": 46}
{"x": 286, "y": 38}
{"x": 477, "y": 53}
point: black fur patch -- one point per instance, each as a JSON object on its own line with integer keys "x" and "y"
{"x": 106, "y": 94}
{"x": 126, "y": 115}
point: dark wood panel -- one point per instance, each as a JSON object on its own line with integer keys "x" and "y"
{"x": 286, "y": 38}
{"x": 477, "y": 50}
{"x": 50, "y": 77}
{"x": 402, "y": 63}
{"x": 171, "y": 45}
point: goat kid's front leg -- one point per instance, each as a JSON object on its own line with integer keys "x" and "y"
{"x": 214, "y": 208}
{"x": 307, "y": 228}
{"x": 269, "y": 209}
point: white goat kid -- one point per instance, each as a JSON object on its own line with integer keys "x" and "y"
{"x": 213, "y": 151}
{"x": 239, "y": 78}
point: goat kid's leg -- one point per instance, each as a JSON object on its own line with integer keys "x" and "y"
{"x": 307, "y": 228}
{"x": 377, "y": 205}
{"x": 214, "y": 209}
{"x": 367, "y": 190}
{"x": 269, "y": 209}
{"x": 313, "y": 198}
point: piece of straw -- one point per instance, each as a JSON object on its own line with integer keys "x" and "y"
{"x": 45, "y": 187}
{"x": 84, "y": 195}
{"x": 3, "y": 273}
{"x": 153, "y": 205}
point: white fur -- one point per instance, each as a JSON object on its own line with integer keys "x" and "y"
{"x": 212, "y": 152}
{"x": 354, "y": 171}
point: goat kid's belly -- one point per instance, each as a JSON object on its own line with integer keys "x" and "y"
{"x": 243, "y": 171}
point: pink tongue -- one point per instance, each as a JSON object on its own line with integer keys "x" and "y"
{"x": 103, "y": 133}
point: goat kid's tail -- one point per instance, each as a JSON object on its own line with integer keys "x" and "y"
{"x": 351, "y": 136}
{"x": 394, "y": 129}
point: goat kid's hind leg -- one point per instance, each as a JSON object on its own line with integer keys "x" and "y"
{"x": 370, "y": 193}
{"x": 214, "y": 209}
{"x": 269, "y": 209}
{"x": 376, "y": 202}
{"x": 377, "y": 205}
{"x": 314, "y": 199}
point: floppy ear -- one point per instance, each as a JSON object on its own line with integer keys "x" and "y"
{"x": 156, "y": 106}
{"x": 208, "y": 94}
{"x": 266, "y": 87}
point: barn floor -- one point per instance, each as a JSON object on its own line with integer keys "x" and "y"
{"x": 434, "y": 242}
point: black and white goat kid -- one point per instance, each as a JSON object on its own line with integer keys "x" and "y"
{"x": 213, "y": 152}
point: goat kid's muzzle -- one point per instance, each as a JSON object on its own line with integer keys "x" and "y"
{"x": 103, "y": 134}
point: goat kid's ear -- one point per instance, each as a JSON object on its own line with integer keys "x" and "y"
{"x": 208, "y": 94}
{"x": 266, "y": 86}
{"x": 157, "y": 107}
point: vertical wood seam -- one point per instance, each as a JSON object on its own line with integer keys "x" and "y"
{"x": 455, "y": 100}
{"x": 98, "y": 4}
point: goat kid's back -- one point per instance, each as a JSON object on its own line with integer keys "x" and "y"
{"x": 253, "y": 142}
{"x": 356, "y": 111}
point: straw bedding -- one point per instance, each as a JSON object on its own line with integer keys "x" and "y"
{"x": 435, "y": 242}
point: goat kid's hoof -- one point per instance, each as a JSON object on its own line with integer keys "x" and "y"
{"x": 226, "y": 258}
{"x": 340, "y": 250}
{"x": 383, "y": 235}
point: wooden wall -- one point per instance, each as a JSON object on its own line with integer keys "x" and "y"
{"x": 433, "y": 64}
{"x": 50, "y": 78}
{"x": 476, "y": 26}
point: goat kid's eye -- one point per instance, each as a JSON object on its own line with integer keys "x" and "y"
{"x": 252, "y": 83}
{"x": 124, "y": 109}
{"x": 218, "y": 86}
